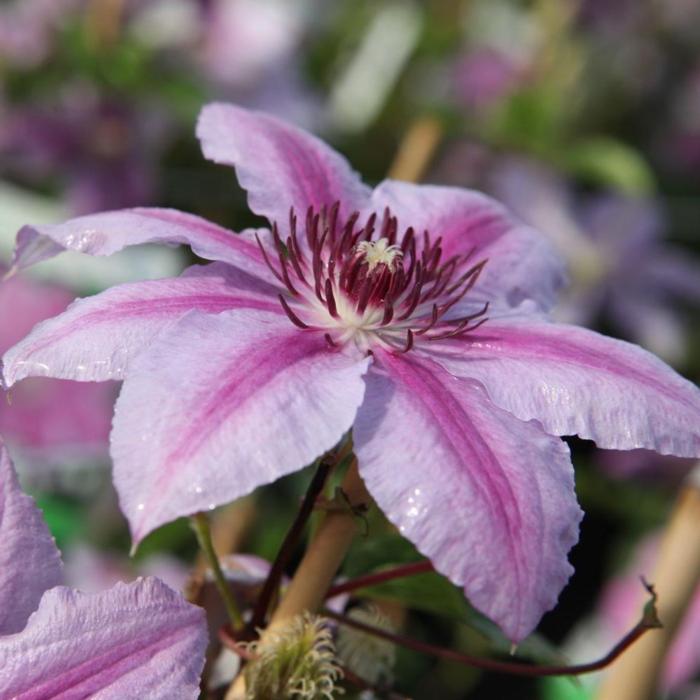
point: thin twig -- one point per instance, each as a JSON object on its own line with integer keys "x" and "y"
{"x": 648, "y": 621}
{"x": 403, "y": 571}
{"x": 289, "y": 543}
{"x": 200, "y": 525}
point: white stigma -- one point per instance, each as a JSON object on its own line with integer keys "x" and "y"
{"x": 380, "y": 253}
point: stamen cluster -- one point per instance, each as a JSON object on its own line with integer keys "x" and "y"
{"x": 363, "y": 282}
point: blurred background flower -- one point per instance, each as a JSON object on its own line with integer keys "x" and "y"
{"x": 623, "y": 273}
{"x": 49, "y": 420}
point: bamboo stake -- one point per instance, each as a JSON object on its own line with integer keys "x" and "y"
{"x": 104, "y": 22}
{"x": 322, "y": 559}
{"x": 676, "y": 577}
{"x": 416, "y": 150}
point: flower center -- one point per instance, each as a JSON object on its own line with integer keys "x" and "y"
{"x": 380, "y": 252}
{"x": 365, "y": 284}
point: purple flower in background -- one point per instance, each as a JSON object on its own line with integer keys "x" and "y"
{"x": 485, "y": 76}
{"x": 245, "y": 39}
{"x": 412, "y": 314}
{"x": 104, "y": 150}
{"x": 678, "y": 137}
{"x": 621, "y": 267}
{"x": 49, "y": 419}
{"x": 92, "y": 570}
{"x": 645, "y": 465}
{"x": 249, "y": 50}
{"x": 28, "y": 28}
{"x": 136, "y": 640}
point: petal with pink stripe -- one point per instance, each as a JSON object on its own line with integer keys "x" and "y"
{"x": 221, "y": 404}
{"x": 137, "y": 640}
{"x": 110, "y": 232}
{"x": 278, "y": 164}
{"x": 522, "y": 264}
{"x": 578, "y": 382}
{"x": 96, "y": 338}
{"x": 488, "y": 498}
{"x": 29, "y": 560}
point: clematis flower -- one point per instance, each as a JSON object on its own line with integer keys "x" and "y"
{"x": 413, "y": 315}
{"x": 134, "y": 640}
{"x": 621, "y": 265}
{"x": 485, "y": 76}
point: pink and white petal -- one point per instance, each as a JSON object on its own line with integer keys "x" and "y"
{"x": 110, "y": 232}
{"x": 220, "y": 405}
{"x": 578, "y": 382}
{"x": 97, "y": 337}
{"x": 236, "y": 278}
{"x": 278, "y": 164}
{"x": 29, "y": 561}
{"x": 488, "y": 498}
{"x": 137, "y": 640}
{"x": 522, "y": 264}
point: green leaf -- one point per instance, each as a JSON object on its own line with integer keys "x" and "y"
{"x": 370, "y": 553}
{"x": 565, "y": 688}
{"x": 433, "y": 593}
{"x": 428, "y": 592}
{"x": 64, "y": 518}
{"x": 173, "y": 537}
{"x": 611, "y": 163}
{"x": 531, "y": 119}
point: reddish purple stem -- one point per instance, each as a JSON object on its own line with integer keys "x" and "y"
{"x": 418, "y": 567}
{"x": 648, "y": 621}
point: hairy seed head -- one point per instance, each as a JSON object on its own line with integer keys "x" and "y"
{"x": 294, "y": 662}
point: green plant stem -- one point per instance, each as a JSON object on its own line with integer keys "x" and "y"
{"x": 200, "y": 525}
